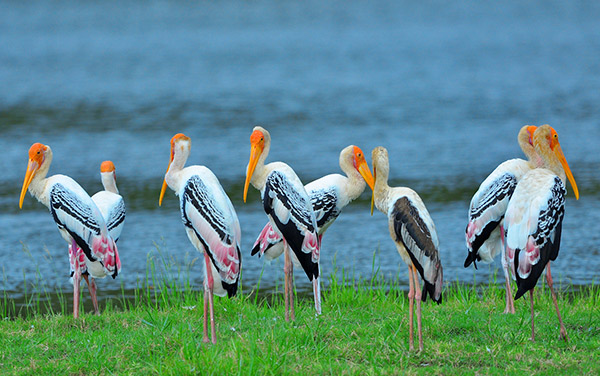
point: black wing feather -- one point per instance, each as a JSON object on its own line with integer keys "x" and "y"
{"x": 547, "y": 237}
{"x": 277, "y": 187}
{"x": 411, "y": 230}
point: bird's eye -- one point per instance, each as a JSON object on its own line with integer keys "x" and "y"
{"x": 38, "y": 151}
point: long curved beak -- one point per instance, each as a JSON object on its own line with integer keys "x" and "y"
{"x": 255, "y": 152}
{"x": 373, "y": 189}
{"x": 365, "y": 172}
{"x": 563, "y": 161}
{"x": 32, "y": 168}
{"x": 164, "y": 185}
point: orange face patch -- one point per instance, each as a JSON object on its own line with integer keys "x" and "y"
{"x": 359, "y": 156}
{"x": 37, "y": 152}
{"x": 107, "y": 166}
{"x": 257, "y": 138}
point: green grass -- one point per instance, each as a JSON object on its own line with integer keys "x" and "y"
{"x": 363, "y": 330}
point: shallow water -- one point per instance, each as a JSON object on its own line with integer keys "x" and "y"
{"x": 444, "y": 87}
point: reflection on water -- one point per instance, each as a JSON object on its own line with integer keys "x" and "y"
{"x": 442, "y": 88}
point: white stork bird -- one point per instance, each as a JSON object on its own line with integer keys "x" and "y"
{"x": 328, "y": 196}
{"x": 211, "y": 224}
{"x": 488, "y": 206}
{"x": 79, "y": 220}
{"x": 533, "y": 220}
{"x": 112, "y": 207}
{"x": 413, "y": 231}
{"x": 290, "y": 212}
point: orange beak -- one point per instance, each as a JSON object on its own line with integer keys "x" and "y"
{"x": 255, "y": 152}
{"x": 32, "y": 168}
{"x": 563, "y": 161}
{"x": 365, "y": 172}
{"x": 164, "y": 185}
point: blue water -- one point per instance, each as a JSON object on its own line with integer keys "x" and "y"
{"x": 445, "y": 86}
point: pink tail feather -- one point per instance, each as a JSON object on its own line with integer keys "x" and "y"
{"x": 106, "y": 250}
{"x": 312, "y": 245}
{"x": 268, "y": 236}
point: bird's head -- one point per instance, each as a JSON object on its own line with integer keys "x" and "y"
{"x": 258, "y": 139}
{"x": 179, "y": 143}
{"x": 547, "y": 145}
{"x": 360, "y": 164}
{"x": 37, "y": 157}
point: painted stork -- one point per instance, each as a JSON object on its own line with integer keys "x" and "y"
{"x": 289, "y": 210}
{"x": 79, "y": 220}
{"x": 210, "y": 222}
{"x": 112, "y": 207}
{"x": 533, "y": 220}
{"x": 328, "y": 196}
{"x": 488, "y": 206}
{"x": 413, "y": 231}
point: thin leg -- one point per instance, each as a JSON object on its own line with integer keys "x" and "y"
{"x": 209, "y": 292}
{"x": 74, "y": 261}
{"x": 291, "y": 289}
{"x": 510, "y": 302}
{"x": 418, "y": 300}
{"x": 286, "y": 269}
{"x": 92, "y": 287}
{"x": 563, "y": 331}
{"x": 76, "y": 281}
{"x": 205, "y": 334}
{"x": 317, "y": 294}
{"x": 213, "y": 332}
{"x": 532, "y": 326}
{"x": 411, "y": 303}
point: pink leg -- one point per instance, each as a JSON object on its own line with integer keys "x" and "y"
{"x": 286, "y": 270}
{"x": 532, "y": 326}
{"x": 411, "y": 304}
{"x": 92, "y": 287}
{"x": 205, "y": 326}
{"x": 291, "y": 290}
{"x": 510, "y": 302}
{"x": 563, "y": 331}
{"x": 418, "y": 300}
{"x": 76, "y": 281}
{"x": 74, "y": 260}
{"x": 209, "y": 287}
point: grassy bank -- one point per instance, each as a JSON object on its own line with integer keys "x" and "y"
{"x": 363, "y": 330}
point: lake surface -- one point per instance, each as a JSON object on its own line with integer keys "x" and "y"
{"x": 444, "y": 86}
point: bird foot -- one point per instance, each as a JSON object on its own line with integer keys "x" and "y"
{"x": 563, "y": 335}
{"x": 205, "y": 340}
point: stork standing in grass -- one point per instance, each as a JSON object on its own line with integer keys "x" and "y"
{"x": 413, "y": 231}
{"x": 533, "y": 221}
{"x": 484, "y": 237}
{"x": 290, "y": 212}
{"x": 210, "y": 222}
{"x": 79, "y": 221}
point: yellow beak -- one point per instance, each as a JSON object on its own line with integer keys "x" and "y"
{"x": 32, "y": 168}
{"x": 373, "y": 189}
{"x": 164, "y": 185}
{"x": 255, "y": 152}
{"x": 365, "y": 172}
{"x": 563, "y": 161}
